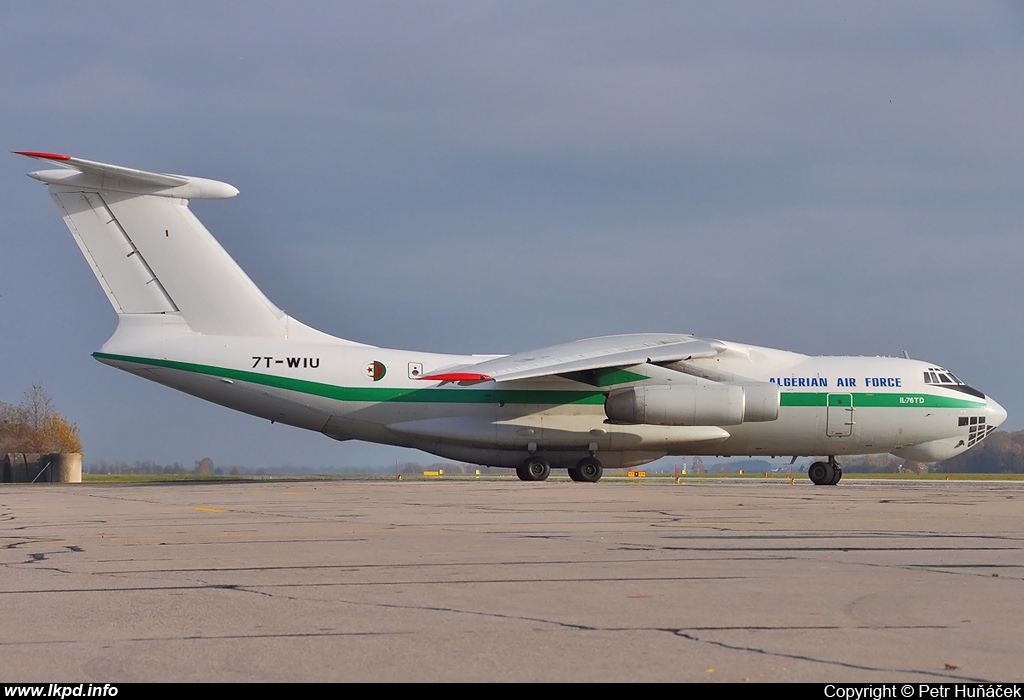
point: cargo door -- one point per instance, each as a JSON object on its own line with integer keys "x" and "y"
{"x": 839, "y": 417}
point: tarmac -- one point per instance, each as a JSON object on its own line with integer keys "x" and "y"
{"x": 501, "y": 580}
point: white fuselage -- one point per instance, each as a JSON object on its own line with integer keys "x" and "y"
{"x": 828, "y": 405}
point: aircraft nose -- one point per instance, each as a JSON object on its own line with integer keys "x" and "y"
{"x": 994, "y": 413}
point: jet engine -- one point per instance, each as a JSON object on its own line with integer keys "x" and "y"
{"x": 709, "y": 403}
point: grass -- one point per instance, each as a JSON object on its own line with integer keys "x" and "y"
{"x": 140, "y": 478}
{"x": 219, "y": 478}
{"x": 927, "y": 476}
{"x": 610, "y": 475}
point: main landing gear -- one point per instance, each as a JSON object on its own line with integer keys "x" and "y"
{"x": 825, "y": 473}
{"x": 588, "y": 469}
{"x": 533, "y": 469}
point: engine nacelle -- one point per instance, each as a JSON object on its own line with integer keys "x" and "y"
{"x": 694, "y": 404}
{"x": 762, "y": 402}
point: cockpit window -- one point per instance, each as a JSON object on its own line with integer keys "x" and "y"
{"x": 937, "y": 375}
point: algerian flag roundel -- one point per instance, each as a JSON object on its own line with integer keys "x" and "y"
{"x": 375, "y": 370}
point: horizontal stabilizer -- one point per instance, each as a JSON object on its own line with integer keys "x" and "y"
{"x": 90, "y": 175}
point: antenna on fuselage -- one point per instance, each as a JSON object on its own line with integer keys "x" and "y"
{"x": 906, "y": 355}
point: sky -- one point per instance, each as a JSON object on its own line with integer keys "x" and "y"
{"x": 827, "y": 178}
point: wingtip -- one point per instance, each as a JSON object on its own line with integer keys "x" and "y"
{"x": 40, "y": 154}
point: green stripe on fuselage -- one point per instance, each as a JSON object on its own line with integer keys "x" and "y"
{"x": 877, "y": 400}
{"x": 451, "y": 394}
{"x": 551, "y": 397}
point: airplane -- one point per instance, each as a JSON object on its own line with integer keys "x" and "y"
{"x": 191, "y": 319}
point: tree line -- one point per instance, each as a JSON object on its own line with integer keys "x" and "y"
{"x": 203, "y": 467}
{"x": 1000, "y": 453}
{"x": 34, "y": 426}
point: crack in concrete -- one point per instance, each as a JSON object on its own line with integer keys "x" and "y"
{"x": 346, "y": 584}
{"x": 688, "y": 634}
{"x": 826, "y": 661}
{"x": 208, "y": 637}
{"x": 242, "y": 588}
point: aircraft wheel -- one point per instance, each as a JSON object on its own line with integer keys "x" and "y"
{"x": 588, "y": 469}
{"x": 821, "y": 473}
{"x": 836, "y": 477}
{"x": 533, "y": 469}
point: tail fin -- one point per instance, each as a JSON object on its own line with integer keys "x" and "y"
{"x": 150, "y": 254}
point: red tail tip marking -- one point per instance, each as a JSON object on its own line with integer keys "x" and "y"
{"x": 37, "y": 154}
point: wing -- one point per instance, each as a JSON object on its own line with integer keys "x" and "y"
{"x": 581, "y": 356}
